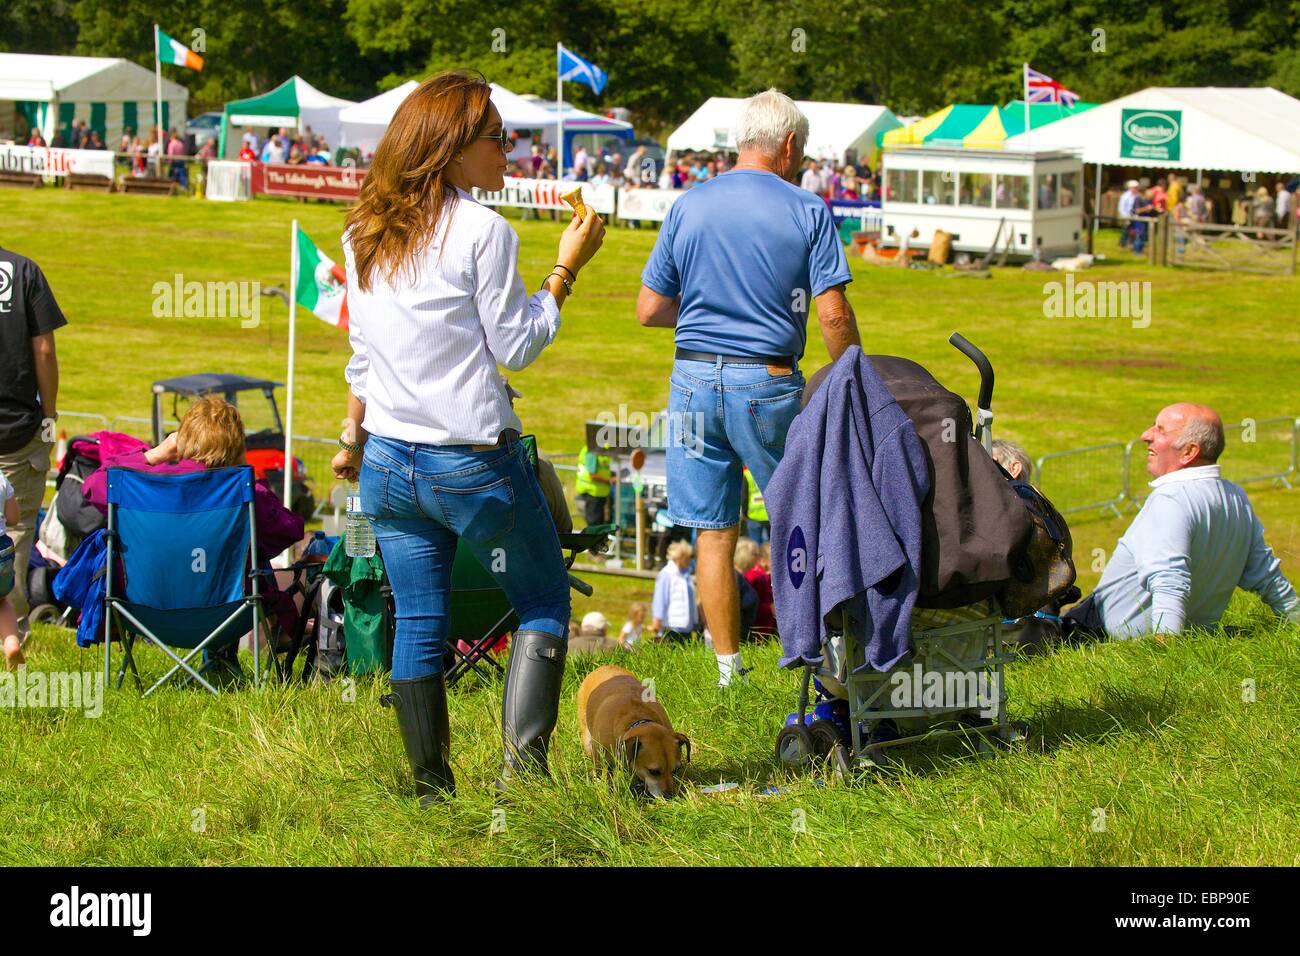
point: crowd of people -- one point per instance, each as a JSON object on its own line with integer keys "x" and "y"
{"x": 1188, "y": 206}
{"x": 831, "y": 182}
{"x": 640, "y": 170}
{"x": 174, "y": 150}
{"x": 286, "y": 146}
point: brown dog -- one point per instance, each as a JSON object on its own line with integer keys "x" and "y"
{"x": 618, "y": 717}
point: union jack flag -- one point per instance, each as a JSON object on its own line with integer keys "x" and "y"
{"x": 1041, "y": 88}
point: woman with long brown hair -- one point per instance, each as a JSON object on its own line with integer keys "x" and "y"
{"x": 435, "y": 302}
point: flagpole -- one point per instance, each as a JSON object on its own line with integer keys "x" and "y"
{"x": 288, "y": 402}
{"x": 1024, "y": 82}
{"x": 559, "y": 116}
{"x": 157, "y": 74}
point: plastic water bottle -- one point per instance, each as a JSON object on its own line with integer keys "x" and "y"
{"x": 359, "y": 536}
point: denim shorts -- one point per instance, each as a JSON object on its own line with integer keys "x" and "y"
{"x": 6, "y": 565}
{"x": 720, "y": 417}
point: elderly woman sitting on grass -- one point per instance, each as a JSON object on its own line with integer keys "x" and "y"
{"x": 211, "y": 435}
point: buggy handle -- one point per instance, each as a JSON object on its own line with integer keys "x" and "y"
{"x": 967, "y": 348}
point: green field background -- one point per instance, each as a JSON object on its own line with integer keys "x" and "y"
{"x": 1187, "y": 768}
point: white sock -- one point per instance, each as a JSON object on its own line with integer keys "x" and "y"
{"x": 729, "y": 666}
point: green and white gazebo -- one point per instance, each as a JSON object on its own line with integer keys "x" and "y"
{"x": 295, "y": 103}
{"x": 109, "y": 93}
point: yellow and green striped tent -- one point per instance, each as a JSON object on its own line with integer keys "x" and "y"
{"x": 976, "y": 126}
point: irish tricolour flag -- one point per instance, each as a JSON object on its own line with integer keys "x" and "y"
{"x": 174, "y": 51}
{"x": 322, "y": 284}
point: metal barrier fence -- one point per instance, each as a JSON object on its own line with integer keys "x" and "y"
{"x": 81, "y": 423}
{"x": 1107, "y": 478}
{"x": 1112, "y": 476}
{"x": 1085, "y": 479}
{"x": 316, "y": 454}
{"x": 139, "y": 427}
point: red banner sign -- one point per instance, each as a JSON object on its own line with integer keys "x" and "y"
{"x": 308, "y": 179}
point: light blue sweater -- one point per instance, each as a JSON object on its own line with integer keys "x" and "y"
{"x": 1195, "y": 540}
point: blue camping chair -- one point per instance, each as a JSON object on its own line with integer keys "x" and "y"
{"x": 187, "y": 549}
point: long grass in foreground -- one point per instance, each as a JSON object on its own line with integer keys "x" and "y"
{"x": 1139, "y": 755}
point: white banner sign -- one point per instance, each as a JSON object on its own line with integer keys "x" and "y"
{"x": 545, "y": 194}
{"x": 652, "y": 204}
{"x": 229, "y": 181}
{"x": 51, "y": 163}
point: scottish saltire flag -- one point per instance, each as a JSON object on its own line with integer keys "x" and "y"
{"x": 1041, "y": 88}
{"x": 577, "y": 70}
{"x": 174, "y": 51}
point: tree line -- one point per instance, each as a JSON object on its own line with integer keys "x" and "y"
{"x": 665, "y": 57}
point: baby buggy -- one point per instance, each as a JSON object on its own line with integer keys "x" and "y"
{"x": 950, "y": 682}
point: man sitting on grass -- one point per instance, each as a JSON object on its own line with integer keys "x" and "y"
{"x": 1195, "y": 540}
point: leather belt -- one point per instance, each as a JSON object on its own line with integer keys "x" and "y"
{"x": 786, "y": 361}
{"x": 503, "y": 441}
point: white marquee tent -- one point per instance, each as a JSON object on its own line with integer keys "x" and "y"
{"x": 1204, "y": 128}
{"x": 833, "y": 128}
{"x": 519, "y": 113}
{"x": 108, "y": 93}
{"x": 363, "y": 124}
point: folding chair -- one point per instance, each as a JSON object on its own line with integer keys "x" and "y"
{"x": 186, "y": 547}
{"x": 477, "y": 602}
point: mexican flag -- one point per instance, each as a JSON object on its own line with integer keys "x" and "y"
{"x": 322, "y": 284}
{"x": 176, "y": 52}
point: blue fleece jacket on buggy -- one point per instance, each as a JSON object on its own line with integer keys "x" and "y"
{"x": 845, "y": 505}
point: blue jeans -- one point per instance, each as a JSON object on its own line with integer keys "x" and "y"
{"x": 425, "y": 499}
{"x": 720, "y": 416}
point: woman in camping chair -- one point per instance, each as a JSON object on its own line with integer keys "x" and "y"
{"x": 212, "y": 436}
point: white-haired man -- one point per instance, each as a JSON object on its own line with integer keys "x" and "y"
{"x": 737, "y": 261}
{"x": 1194, "y": 542}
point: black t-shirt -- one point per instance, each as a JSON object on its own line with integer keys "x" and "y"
{"x": 27, "y": 309}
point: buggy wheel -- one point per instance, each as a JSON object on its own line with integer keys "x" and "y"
{"x": 1014, "y": 733}
{"x": 825, "y": 737}
{"x": 794, "y": 746}
{"x": 43, "y": 614}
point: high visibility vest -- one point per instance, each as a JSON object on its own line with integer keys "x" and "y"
{"x": 584, "y": 484}
{"x": 757, "y": 508}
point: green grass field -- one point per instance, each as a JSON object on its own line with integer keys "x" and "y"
{"x": 1159, "y": 738}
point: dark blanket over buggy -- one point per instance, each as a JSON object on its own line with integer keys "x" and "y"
{"x": 976, "y": 531}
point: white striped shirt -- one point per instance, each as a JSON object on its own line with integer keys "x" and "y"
{"x": 425, "y": 348}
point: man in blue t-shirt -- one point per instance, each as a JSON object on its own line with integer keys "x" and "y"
{"x": 737, "y": 262}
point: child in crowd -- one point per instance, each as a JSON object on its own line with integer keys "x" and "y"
{"x": 9, "y": 514}
{"x": 633, "y": 627}
{"x": 748, "y": 563}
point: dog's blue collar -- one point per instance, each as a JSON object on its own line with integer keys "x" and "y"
{"x": 638, "y": 723}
